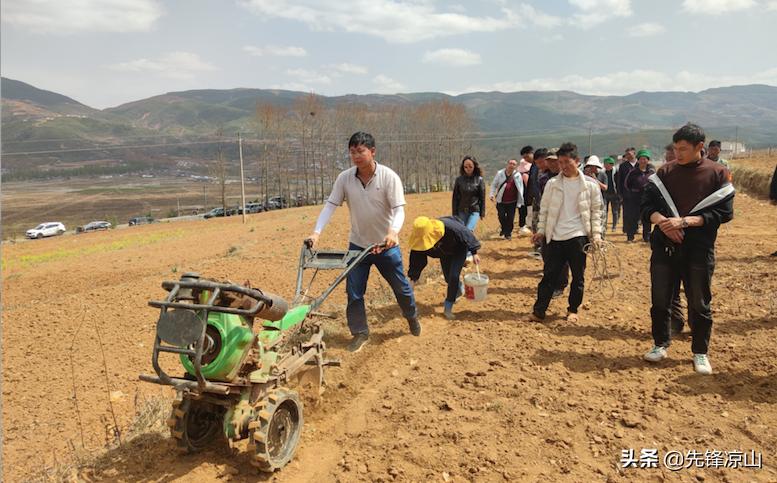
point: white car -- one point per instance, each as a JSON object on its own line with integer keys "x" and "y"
{"x": 46, "y": 229}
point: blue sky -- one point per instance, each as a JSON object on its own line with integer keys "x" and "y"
{"x": 107, "y": 52}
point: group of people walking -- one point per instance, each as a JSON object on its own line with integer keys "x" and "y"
{"x": 565, "y": 204}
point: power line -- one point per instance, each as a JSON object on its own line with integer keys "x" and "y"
{"x": 27, "y": 141}
{"x": 262, "y": 141}
{"x": 106, "y": 148}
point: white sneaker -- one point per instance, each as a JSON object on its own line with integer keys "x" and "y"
{"x": 701, "y": 363}
{"x": 657, "y": 353}
{"x": 524, "y": 231}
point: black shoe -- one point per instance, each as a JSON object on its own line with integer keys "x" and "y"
{"x": 508, "y": 237}
{"x": 358, "y": 341}
{"x": 557, "y": 293}
{"x": 415, "y": 326}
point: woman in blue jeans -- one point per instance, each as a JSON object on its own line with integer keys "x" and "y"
{"x": 469, "y": 194}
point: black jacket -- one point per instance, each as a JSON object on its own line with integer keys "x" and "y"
{"x": 532, "y": 190}
{"x": 623, "y": 172}
{"x": 456, "y": 239}
{"x": 469, "y": 196}
{"x": 773, "y": 187}
{"x": 716, "y": 209}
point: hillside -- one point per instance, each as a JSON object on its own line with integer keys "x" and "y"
{"x": 39, "y": 120}
{"x": 14, "y": 91}
{"x": 33, "y": 117}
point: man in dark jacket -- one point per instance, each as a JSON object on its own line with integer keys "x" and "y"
{"x": 630, "y": 219}
{"x": 449, "y": 240}
{"x": 610, "y": 194}
{"x": 773, "y": 187}
{"x": 687, "y": 200}
{"x": 773, "y": 193}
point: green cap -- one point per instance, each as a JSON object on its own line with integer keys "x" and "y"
{"x": 644, "y": 153}
{"x": 609, "y": 160}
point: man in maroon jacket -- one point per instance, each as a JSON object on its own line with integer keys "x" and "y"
{"x": 687, "y": 200}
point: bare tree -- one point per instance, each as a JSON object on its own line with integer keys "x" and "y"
{"x": 421, "y": 142}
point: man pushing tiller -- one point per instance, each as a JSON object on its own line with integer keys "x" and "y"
{"x": 376, "y": 202}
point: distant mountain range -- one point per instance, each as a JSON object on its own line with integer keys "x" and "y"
{"x": 37, "y": 116}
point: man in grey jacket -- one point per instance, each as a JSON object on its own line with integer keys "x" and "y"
{"x": 507, "y": 192}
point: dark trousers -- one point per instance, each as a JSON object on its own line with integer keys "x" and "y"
{"x": 506, "y": 213}
{"x": 389, "y": 265}
{"x": 646, "y": 227}
{"x": 563, "y": 276}
{"x": 630, "y": 216}
{"x": 560, "y": 253}
{"x": 695, "y": 268}
{"x": 612, "y": 203}
{"x": 451, "y": 270}
{"x": 522, "y": 212}
{"x": 678, "y": 316}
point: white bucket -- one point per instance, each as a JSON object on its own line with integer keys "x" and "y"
{"x": 476, "y": 286}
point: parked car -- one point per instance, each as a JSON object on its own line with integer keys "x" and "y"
{"x": 277, "y": 202}
{"x": 254, "y": 207}
{"x": 94, "y": 226}
{"x": 140, "y": 220}
{"x": 51, "y": 228}
{"x": 214, "y": 212}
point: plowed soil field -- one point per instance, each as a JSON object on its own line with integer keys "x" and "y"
{"x": 487, "y": 397}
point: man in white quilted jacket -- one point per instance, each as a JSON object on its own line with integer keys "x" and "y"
{"x": 570, "y": 218}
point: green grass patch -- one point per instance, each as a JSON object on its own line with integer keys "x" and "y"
{"x": 133, "y": 241}
{"x": 120, "y": 190}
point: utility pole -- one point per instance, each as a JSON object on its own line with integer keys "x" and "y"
{"x": 736, "y": 143}
{"x": 590, "y": 138}
{"x": 242, "y": 178}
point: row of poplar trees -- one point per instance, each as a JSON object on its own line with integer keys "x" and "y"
{"x": 302, "y": 149}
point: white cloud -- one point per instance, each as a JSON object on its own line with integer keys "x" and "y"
{"x": 67, "y": 17}
{"x": 536, "y": 17}
{"x": 400, "y": 21}
{"x": 716, "y": 7}
{"x": 594, "y": 12}
{"x": 346, "y": 68}
{"x": 452, "y": 57}
{"x": 276, "y": 51}
{"x": 628, "y": 82}
{"x": 305, "y": 76}
{"x": 175, "y": 65}
{"x": 772, "y": 6}
{"x": 646, "y": 30}
{"x": 387, "y": 85}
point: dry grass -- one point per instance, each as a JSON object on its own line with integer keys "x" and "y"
{"x": 151, "y": 413}
{"x": 754, "y": 174}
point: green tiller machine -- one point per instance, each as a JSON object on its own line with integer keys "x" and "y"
{"x": 241, "y": 349}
